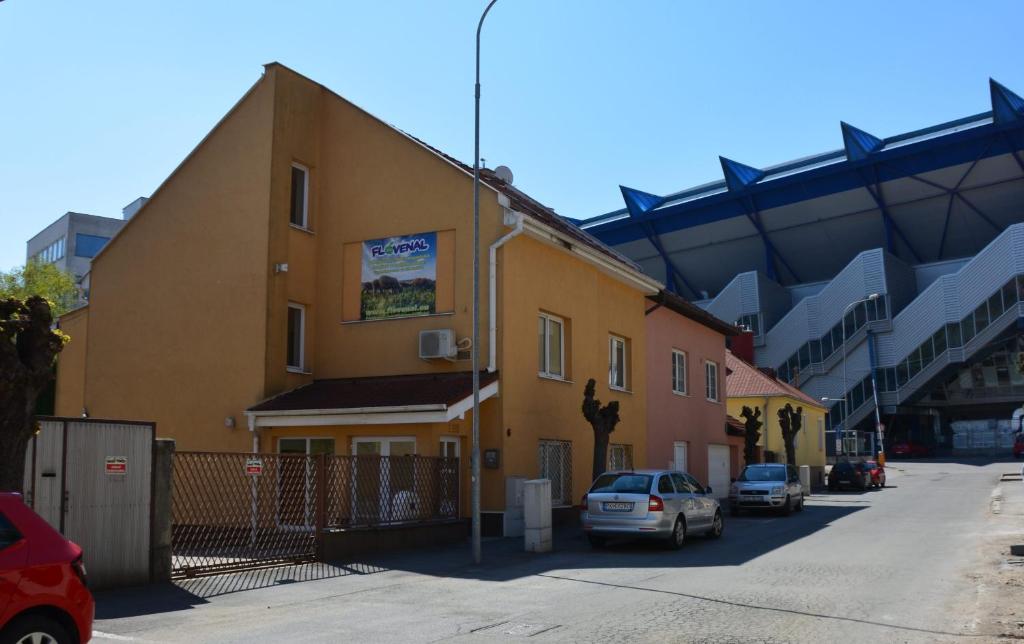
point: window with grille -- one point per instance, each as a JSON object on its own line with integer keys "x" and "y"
{"x": 711, "y": 381}
{"x": 620, "y": 457}
{"x": 678, "y": 372}
{"x": 555, "y": 464}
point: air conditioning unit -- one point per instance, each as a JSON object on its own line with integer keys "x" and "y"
{"x": 438, "y": 343}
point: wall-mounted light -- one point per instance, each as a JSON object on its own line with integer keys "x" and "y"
{"x": 281, "y": 268}
{"x": 229, "y": 422}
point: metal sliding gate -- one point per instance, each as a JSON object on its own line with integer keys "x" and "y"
{"x": 234, "y": 511}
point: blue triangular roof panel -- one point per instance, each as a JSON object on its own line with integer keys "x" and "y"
{"x": 1006, "y": 106}
{"x": 858, "y": 143}
{"x": 739, "y": 176}
{"x": 639, "y": 203}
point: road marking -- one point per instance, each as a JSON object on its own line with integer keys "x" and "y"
{"x": 112, "y": 636}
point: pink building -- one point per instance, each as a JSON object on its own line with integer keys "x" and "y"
{"x": 687, "y": 428}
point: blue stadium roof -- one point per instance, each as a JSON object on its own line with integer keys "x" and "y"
{"x": 936, "y": 193}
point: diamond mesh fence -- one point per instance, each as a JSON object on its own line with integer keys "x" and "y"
{"x": 239, "y": 511}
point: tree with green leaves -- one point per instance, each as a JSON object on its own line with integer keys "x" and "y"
{"x": 603, "y": 421}
{"x": 41, "y": 279}
{"x": 791, "y": 422}
{"x": 752, "y": 426}
{"x": 28, "y": 347}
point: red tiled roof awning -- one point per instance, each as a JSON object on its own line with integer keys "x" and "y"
{"x": 413, "y": 398}
{"x": 734, "y": 426}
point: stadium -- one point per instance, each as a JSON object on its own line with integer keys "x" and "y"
{"x": 886, "y": 277}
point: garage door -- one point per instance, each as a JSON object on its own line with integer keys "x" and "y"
{"x": 718, "y": 470}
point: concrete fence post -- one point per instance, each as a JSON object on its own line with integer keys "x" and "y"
{"x": 805, "y": 478}
{"x": 537, "y": 515}
{"x": 160, "y": 512}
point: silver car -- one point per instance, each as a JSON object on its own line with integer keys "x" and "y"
{"x": 773, "y": 486}
{"x": 660, "y": 504}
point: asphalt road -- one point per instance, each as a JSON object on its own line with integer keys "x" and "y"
{"x": 882, "y": 566}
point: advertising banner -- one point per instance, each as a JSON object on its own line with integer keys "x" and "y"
{"x": 399, "y": 276}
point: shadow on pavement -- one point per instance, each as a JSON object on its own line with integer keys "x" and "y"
{"x": 746, "y": 537}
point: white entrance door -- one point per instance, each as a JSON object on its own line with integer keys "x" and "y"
{"x": 383, "y": 488}
{"x": 295, "y": 480}
{"x": 679, "y": 456}
{"x": 718, "y": 470}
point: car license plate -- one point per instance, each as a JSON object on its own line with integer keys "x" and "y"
{"x": 844, "y": 481}
{"x": 613, "y": 506}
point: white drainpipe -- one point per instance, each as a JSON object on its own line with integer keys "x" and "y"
{"x": 492, "y": 291}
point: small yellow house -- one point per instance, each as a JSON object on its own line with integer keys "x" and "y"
{"x": 748, "y": 386}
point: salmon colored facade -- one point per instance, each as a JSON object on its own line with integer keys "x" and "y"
{"x": 686, "y": 425}
{"x": 193, "y": 303}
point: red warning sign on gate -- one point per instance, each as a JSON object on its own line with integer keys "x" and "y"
{"x": 116, "y": 465}
{"x": 254, "y": 466}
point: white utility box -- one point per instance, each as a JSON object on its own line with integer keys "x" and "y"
{"x": 537, "y": 515}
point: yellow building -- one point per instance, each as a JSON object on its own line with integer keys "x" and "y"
{"x": 302, "y": 283}
{"x": 748, "y": 386}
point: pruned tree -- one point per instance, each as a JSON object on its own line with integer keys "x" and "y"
{"x": 752, "y": 426}
{"x": 603, "y": 421}
{"x": 791, "y": 422}
{"x": 28, "y": 347}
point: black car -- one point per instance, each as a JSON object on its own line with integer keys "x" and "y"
{"x": 846, "y": 474}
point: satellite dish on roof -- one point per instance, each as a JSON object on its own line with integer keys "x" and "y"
{"x": 504, "y": 173}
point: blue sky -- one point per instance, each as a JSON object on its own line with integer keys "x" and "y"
{"x": 102, "y": 99}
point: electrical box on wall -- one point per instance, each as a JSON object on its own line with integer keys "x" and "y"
{"x": 492, "y": 458}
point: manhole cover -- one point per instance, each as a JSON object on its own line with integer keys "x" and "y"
{"x": 518, "y": 629}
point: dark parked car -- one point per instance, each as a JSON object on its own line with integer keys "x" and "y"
{"x": 909, "y": 449}
{"x": 846, "y": 474}
{"x": 43, "y": 593}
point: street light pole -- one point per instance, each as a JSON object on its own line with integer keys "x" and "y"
{"x": 475, "y": 452}
{"x": 846, "y": 396}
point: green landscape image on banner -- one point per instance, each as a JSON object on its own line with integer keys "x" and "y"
{"x": 399, "y": 276}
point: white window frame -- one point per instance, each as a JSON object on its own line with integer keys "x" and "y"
{"x": 710, "y": 366}
{"x": 612, "y": 340}
{"x": 676, "y": 373}
{"x": 545, "y": 370}
{"x": 305, "y": 197}
{"x": 301, "y": 367}
{"x": 626, "y": 456}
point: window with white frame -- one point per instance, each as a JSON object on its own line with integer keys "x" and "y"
{"x": 678, "y": 371}
{"x": 551, "y": 345}
{"x": 617, "y": 361}
{"x": 296, "y": 337}
{"x": 620, "y": 457}
{"x": 299, "y": 215}
{"x": 711, "y": 381}
{"x": 555, "y": 464}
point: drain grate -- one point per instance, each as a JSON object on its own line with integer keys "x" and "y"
{"x": 517, "y": 629}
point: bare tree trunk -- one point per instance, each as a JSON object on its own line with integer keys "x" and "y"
{"x": 600, "y": 453}
{"x": 15, "y": 431}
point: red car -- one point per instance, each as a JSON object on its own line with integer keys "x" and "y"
{"x": 1018, "y": 446}
{"x": 909, "y": 449}
{"x": 43, "y": 593}
{"x": 876, "y": 471}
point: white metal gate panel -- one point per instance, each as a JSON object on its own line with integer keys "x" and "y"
{"x": 92, "y": 480}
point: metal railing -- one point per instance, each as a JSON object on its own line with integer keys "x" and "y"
{"x": 234, "y": 511}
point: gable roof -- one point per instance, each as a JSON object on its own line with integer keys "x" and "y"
{"x": 519, "y": 200}
{"x": 744, "y": 379}
{"x": 680, "y": 305}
